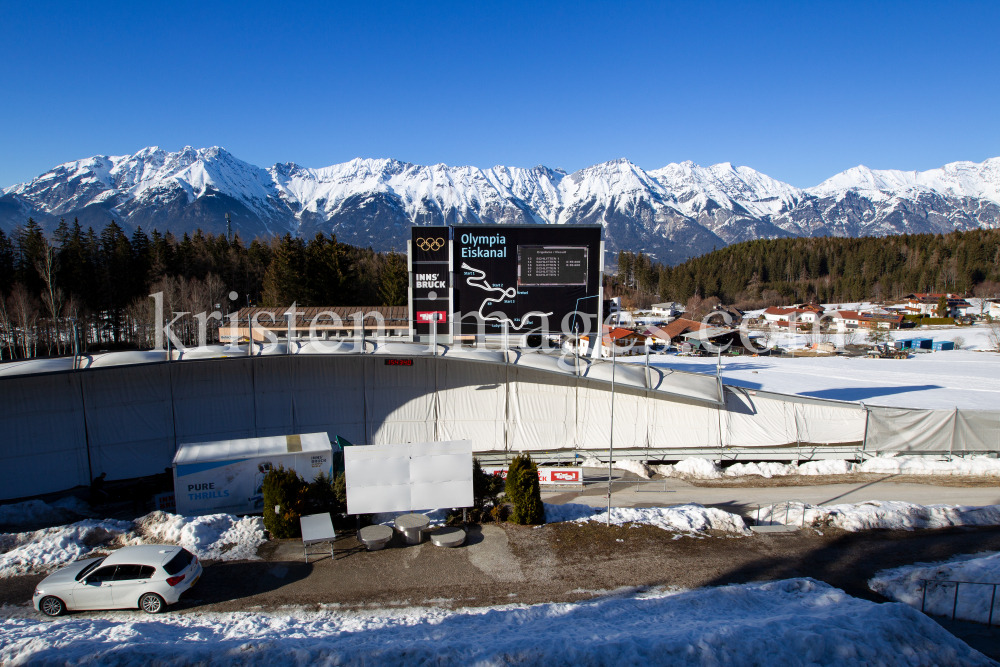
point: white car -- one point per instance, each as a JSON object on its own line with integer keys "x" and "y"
{"x": 149, "y": 577}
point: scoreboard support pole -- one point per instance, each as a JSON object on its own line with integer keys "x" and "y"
{"x": 595, "y": 353}
{"x": 409, "y": 291}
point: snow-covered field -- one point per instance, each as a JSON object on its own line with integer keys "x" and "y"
{"x": 791, "y": 622}
{"x": 701, "y": 468}
{"x": 963, "y": 379}
{"x": 875, "y": 514}
{"x": 905, "y": 584}
{"x": 690, "y": 518}
{"x": 213, "y": 537}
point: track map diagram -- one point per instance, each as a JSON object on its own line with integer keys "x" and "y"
{"x": 480, "y": 282}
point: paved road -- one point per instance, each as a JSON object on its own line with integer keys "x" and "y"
{"x": 676, "y": 491}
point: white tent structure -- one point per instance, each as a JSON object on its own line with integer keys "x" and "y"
{"x": 126, "y": 413}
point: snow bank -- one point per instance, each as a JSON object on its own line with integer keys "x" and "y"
{"x": 37, "y": 511}
{"x": 691, "y": 518}
{"x": 214, "y": 537}
{"x": 904, "y": 584}
{"x": 792, "y": 622}
{"x": 923, "y": 465}
{"x": 211, "y": 537}
{"x": 698, "y": 468}
{"x": 694, "y": 467}
{"x": 630, "y": 465}
{"x": 50, "y": 548}
{"x": 827, "y": 467}
{"x": 872, "y": 514}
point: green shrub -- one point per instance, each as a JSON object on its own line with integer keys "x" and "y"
{"x": 524, "y": 492}
{"x": 287, "y": 491}
{"x": 486, "y": 488}
{"x": 323, "y": 497}
{"x": 340, "y": 490}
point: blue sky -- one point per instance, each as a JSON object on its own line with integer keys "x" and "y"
{"x": 798, "y": 91}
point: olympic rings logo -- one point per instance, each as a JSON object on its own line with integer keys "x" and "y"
{"x": 430, "y": 244}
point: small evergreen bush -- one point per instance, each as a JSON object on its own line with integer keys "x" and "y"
{"x": 524, "y": 492}
{"x": 286, "y": 490}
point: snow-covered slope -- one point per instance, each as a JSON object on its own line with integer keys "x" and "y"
{"x": 672, "y": 213}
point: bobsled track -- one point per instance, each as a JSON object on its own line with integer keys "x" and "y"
{"x": 125, "y": 413}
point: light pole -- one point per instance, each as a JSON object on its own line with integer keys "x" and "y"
{"x": 611, "y": 442}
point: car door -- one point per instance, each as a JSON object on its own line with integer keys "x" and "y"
{"x": 129, "y": 583}
{"x": 94, "y": 592}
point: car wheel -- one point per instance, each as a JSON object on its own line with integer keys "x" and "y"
{"x": 151, "y": 603}
{"x": 51, "y": 606}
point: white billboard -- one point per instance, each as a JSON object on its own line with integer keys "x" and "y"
{"x": 227, "y": 476}
{"x": 407, "y": 477}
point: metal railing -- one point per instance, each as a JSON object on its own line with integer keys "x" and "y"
{"x": 647, "y": 482}
{"x": 770, "y": 521}
{"x": 954, "y": 606}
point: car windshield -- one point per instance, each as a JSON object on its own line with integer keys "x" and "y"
{"x": 178, "y": 562}
{"x": 90, "y": 568}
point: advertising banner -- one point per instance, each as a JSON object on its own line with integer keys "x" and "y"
{"x": 235, "y": 486}
{"x": 552, "y": 475}
{"x": 528, "y": 276}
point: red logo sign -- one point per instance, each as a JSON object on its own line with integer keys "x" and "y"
{"x": 571, "y": 476}
{"x": 399, "y": 362}
{"x": 428, "y": 316}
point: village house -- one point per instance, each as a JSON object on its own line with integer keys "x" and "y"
{"x": 927, "y": 304}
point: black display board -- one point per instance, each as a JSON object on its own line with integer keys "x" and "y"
{"x": 520, "y": 273}
{"x": 430, "y": 279}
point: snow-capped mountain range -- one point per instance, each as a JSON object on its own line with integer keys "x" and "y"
{"x": 673, "y": 213}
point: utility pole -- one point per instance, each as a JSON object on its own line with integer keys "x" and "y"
{"x": 611, "y": 442}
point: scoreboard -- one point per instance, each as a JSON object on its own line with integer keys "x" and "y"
{"x": 551, "y": 265}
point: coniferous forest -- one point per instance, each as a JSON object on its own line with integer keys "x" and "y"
{"x": 100, "y": 282}
{"x": 762, "y": 273}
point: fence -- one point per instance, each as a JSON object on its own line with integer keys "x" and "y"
{"x": 954, "y": 606}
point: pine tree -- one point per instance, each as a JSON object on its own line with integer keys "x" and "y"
{"x": 524, "y": 492}
{"x": 393, "y": 280}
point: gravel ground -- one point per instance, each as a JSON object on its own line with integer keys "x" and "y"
{"x": 557, "y": 562}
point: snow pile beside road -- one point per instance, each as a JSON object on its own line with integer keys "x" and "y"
{"x": 37, "y": 511}
{"x": 791, "y": 622}
{"x": 690, "y": 518}
{"x": 214, "y": 537}
{"x": 904, "y": 584}
{"x": 765, "y": 469}
{"x": 874, "y": 514}
{"x": 630, "y": 465}
{"x": 698, "y": 468}
{"x": 50, "y": 548}
{"x": 211, "y": 537}
{"x": 923, "y": 465}
{"x": 695, "y": 468}
{"x": 827, "y": 467}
